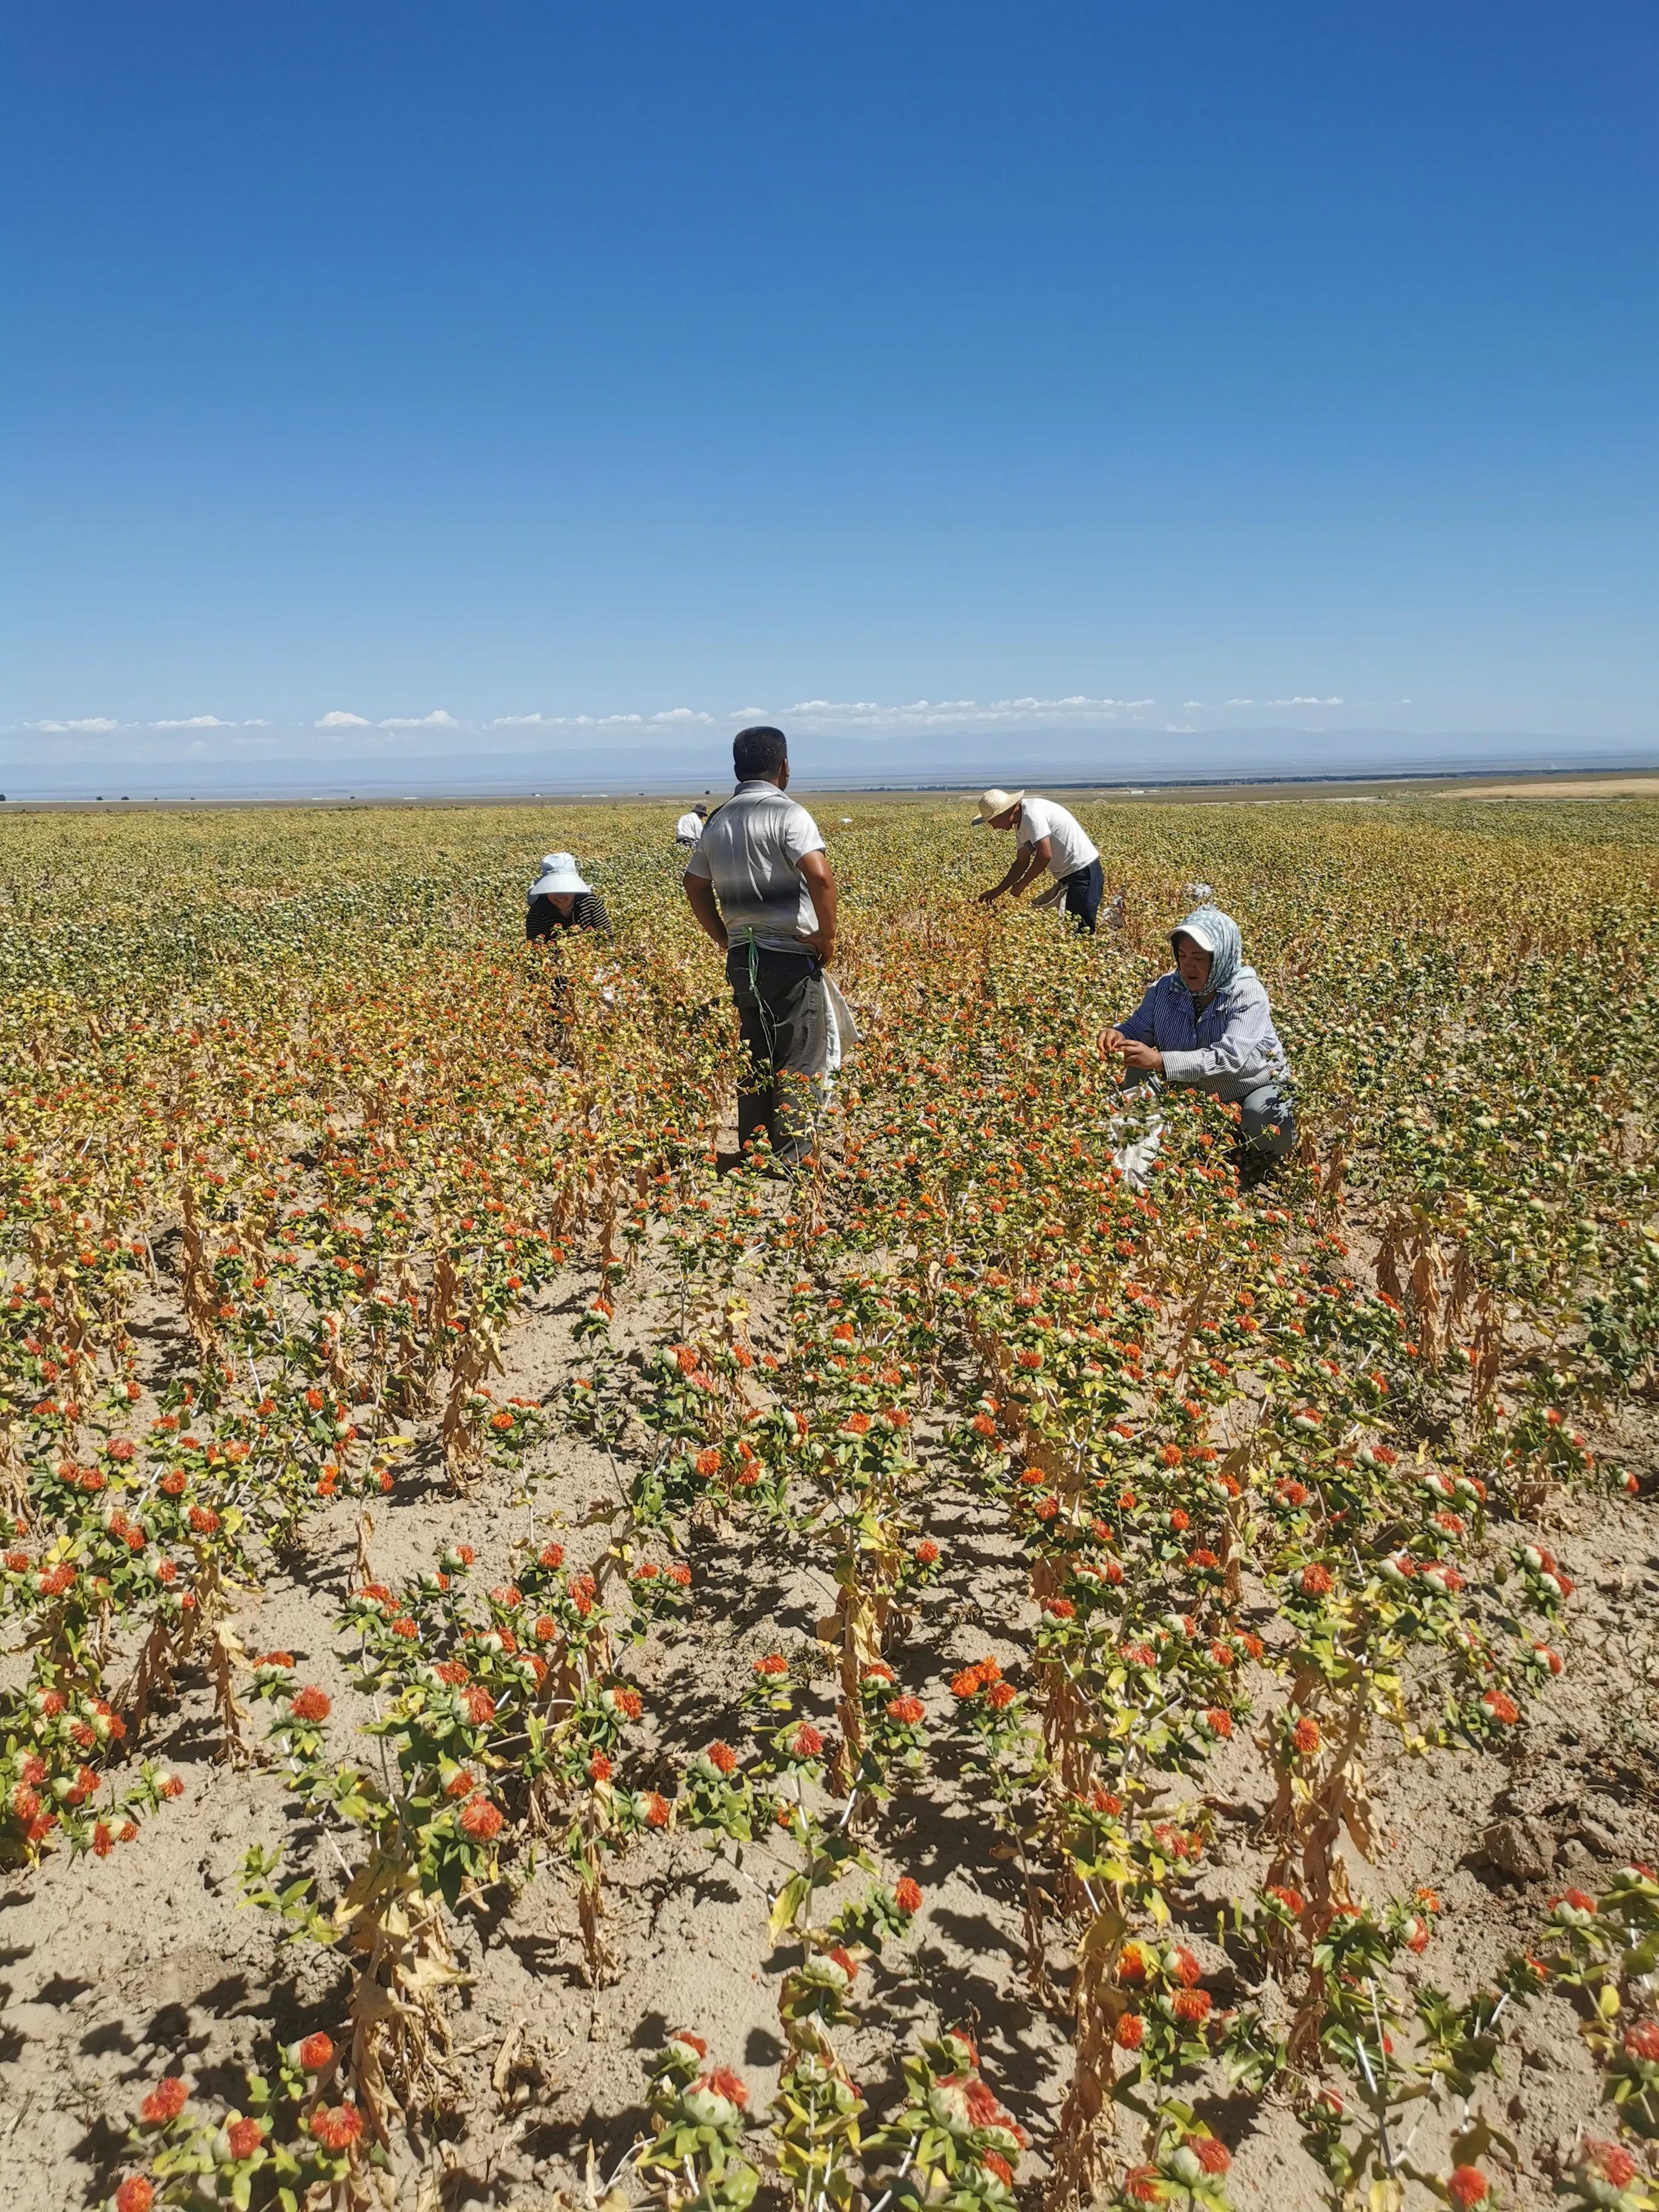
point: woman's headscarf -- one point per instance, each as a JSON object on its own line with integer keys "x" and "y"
{"x": 1218, "y": 935}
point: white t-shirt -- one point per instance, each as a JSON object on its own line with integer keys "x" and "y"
{"x": 751, "y": 850}
{"x": 1069, "y": 846}
{"x": 687, "y": 830}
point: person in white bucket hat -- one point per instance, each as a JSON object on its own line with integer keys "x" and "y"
{"x": 559, "y": 899}
{"x": 1046, "y": 836}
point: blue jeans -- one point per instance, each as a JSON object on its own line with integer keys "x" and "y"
{"x": 1082, "y": 899}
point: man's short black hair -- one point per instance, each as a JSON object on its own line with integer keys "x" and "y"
{"x": 760, "y": 751}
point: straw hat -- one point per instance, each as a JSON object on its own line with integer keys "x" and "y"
{"x": 994, "y": 802}
{"x": 558, "y": 874}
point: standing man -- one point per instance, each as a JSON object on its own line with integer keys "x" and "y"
{"x": 687, "y": 830}
{"x": 759, "y": 884}
{"x": 1046, "y": 836}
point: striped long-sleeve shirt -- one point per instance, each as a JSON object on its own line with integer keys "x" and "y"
{"x": 543, "y": 919}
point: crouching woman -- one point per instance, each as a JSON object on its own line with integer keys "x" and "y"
{"x": 1208, "y": 1024}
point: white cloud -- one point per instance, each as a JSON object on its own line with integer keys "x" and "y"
{"x": 1300, "y": 701}
{"x": 437, "y": 719}
{"x": 195, "y": 722}
{"x": 337, "y": 719}
{"x": 1240, "y": 703}
{"x": 871, "y": 715}
{"x": 1181, "y": 729}
{"x": 1188, "y": 703}
{"x": 682, "y": 714}
{"x": 522, "y": 722}
{"x": 96, "y": 722}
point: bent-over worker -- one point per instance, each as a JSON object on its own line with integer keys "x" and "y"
{"x": 759, "y": 884}
{"x": 1208, "y": 1023}
{"x": 1046, "y": 835}
{"x": 687, "y": 830}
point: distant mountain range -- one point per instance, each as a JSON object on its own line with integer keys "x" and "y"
{"x": 34, "y": 767}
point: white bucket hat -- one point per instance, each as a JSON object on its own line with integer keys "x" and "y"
{"x": 558, "y": 874}
{"x": 994, "y": 802}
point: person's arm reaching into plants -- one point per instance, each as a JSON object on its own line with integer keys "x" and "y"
{"x": 1132, "y": 1039}
{"x": 1029, "y": 861}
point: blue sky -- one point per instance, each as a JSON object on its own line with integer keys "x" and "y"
{"x": 1168, "y": 365}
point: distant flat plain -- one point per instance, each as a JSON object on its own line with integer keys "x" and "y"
{"x": 1257, "y": 792}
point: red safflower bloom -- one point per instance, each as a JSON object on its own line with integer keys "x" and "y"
{"x": 599, "y": 1768}
{"x": 481, "y": 1819}
{"x": 551, "y": 1556}
{"x": 722, "y": 1758}
{"x": 1193, "y": 2006}
{"x": 806, "y": 1742}
{"x": 1000, "y": 1696}
{"x": 1142, "y": 2186}
{"x": 1642, "y": 2040}
{"x": 680, "y": 1576}
{"x": 656, "y": 1809}
{"x": 243, "y": 2137}
{"x": 907, "y": 1895}
{"x": 856, "y": 1424}
{"x": 310, "y": 1705}
{"x": 480, "y": 1706}
{"x": 1305, "y": 1736}
{"x": 1503, "y": 1709}
{"x": 707, "y": 1462}
{"x": 136, "y": 2194}
{"x": 165, "y": 2101}
{"x": 1316, "y": 1580}
{"x": 993, "y": 2162}
{"x": 1610, "y": 2162}
{"x": 907, "y": 1710}
{"x": 773, "y": 1663}
{"x": 1466, "y": 2186}
{"x": 967, "y": 1683}
{"x": 337, "y": 2130}
{"x": 1220, "y": 1723}
{"x": 316, "y": 2052}
{"x": 723, "y": 2082}
{"x": 1130, "y": 2033}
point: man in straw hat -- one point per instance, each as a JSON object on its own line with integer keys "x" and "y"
{"x": 760, "y": 886}
{"x": 1045, "y": 836}
{"x": 560, "y": 900}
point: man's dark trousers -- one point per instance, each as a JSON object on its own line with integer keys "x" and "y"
{"x": 1082, "y": 902}
{"x": 782, "y": 1014}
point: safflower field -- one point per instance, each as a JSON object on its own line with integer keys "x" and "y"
{"x": 545, "y": 1666}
